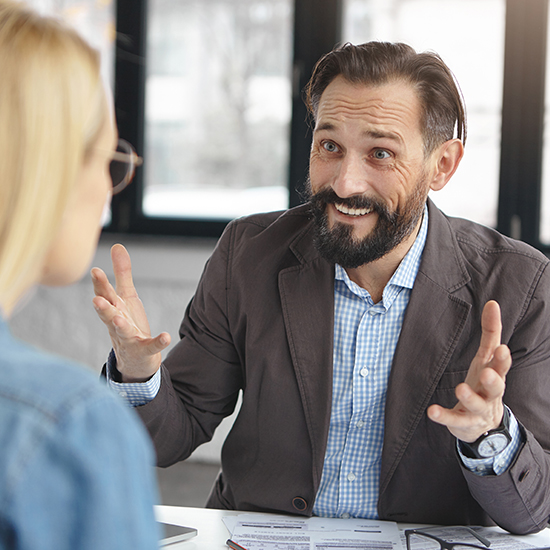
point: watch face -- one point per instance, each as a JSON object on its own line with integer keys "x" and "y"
{"x": 492, "y": 445}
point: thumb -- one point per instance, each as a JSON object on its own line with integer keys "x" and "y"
{"x": 159, "y": 343}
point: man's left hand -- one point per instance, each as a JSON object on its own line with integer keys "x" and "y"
{"x": 480, "y": 408}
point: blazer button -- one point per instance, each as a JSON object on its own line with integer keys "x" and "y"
{"x": 299, "y": 503}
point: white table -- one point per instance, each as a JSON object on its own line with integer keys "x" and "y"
{"x": 213, "y": 534}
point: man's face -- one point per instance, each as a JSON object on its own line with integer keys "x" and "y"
{"x": 368, "y": 177}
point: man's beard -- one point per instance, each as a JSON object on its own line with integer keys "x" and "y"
{"x": 338, "y": 244}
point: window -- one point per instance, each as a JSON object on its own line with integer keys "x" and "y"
{"x": 219, "y": 121}
{"x": 217, "y": 108}
{"x": 94, "y": 20}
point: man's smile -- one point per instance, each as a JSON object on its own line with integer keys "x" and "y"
{"x": 342, "y": 208}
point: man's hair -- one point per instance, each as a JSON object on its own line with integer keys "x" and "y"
{"x": 377, "y": 63}
{"x": 52, "y": 108}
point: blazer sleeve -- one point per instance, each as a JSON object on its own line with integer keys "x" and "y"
{"x": 519, "y": 499}
{"x": 190, "y": 404}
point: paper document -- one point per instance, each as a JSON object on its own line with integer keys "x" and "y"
{"x": 272, "y": 532}
{"x": 499, "y": 539}
{"x": 268, "y": 532}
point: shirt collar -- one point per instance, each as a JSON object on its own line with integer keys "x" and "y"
{"x": 405, "y": 274}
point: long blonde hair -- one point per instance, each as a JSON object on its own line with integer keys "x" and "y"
{"x": 52, "y": 108}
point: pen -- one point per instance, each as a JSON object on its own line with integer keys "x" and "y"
{"x": 234, "y": 545}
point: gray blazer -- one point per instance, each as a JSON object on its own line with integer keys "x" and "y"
{"x": 262, "y": 322}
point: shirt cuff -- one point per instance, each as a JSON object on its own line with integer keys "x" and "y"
{"x": 135, "y": 394}
{"x": 500, "y": 463}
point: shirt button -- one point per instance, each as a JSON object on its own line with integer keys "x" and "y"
{"x": 372, "y": 312}
{"x": 360, "y": 424}
{"x": 123, "y": 394}
{"x": 351, "y": 477}
{"x": 364, "y": 371}
{"x": 345, "y": 516}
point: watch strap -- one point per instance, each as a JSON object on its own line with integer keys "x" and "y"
{"x": 470, "y": 450}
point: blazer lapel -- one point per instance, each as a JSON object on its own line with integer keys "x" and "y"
{"x": 433, "y": 324}
{"x": 307, "y": 297}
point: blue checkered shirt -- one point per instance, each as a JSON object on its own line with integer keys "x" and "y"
{"x": 365, "y": 338}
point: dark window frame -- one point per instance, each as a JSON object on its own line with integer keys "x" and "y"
{"x": 317, "y": 28}
{"x": 521, "y": 152}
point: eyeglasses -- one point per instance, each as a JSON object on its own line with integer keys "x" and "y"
{"x": 421, "y": 539}
{"x": 123, "y": 165}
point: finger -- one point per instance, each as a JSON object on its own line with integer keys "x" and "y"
{"x": 122, "y": 267}
{"x": 462, "y": 416}
{"x": 140, "y": 346}
{"x": 488, "y": 379}
{"x": 491, "y": 389}
{"x": 106, "y": 312}
{"x": 501, "y": 361}
{"x": 102, "y": 306}
{"x": 156, "y": 345}
{"x": 461, "y": 424}
{"x": 125, "y": 328}
{"x": 440, "y": 415}
{"x": 493, "y": 386}
{"x": 102, "y": 286}
{"x": 491, "y": 330}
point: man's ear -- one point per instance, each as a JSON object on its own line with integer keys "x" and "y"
{"x": 447, "y": 157}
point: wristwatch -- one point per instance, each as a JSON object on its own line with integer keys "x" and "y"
{"x": 490, "y": 443}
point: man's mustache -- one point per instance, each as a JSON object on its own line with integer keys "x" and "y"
{"x": 328, "y": 196}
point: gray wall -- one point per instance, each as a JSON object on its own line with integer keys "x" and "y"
{"x": 166, "y": 272}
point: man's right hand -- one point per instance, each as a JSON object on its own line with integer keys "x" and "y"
{"x": 138, "y": 355}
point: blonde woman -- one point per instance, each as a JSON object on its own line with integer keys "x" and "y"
{"x": 75, "y": 464}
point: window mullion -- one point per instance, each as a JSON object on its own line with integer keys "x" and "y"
{"x": 317, "y": 29}
{"x": 523, "y": 119}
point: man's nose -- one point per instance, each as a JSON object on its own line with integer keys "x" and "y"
{"x": 351, "y": 178}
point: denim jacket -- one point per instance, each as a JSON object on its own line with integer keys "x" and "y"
{"x": 76, "y": 467}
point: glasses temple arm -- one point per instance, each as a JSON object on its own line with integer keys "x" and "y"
{"x": 479, "y": 537}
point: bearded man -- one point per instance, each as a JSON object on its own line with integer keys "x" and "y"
{"x": 394, "y": 363}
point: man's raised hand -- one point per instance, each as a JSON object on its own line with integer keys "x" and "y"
{"x": 480, "y": 408}
{"x": 138, "y": 354}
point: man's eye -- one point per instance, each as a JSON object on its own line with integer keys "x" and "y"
{"x": 381, "y": 154}
{"x": 330, "y": 147}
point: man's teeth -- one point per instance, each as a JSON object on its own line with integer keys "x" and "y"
{"x": 352, "y": 211}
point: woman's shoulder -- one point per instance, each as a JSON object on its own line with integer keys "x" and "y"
{"x": 43, "y": 380}
{"x": 53, "y": 393}
{"x": 67, "y": 439}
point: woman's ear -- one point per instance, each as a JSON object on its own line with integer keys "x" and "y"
{"x": 447, "y": 158}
